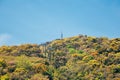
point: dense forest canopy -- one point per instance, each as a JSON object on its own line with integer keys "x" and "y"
{"x": 76, "y": 58}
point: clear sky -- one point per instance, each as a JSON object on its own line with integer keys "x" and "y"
{"x": 36, "y": 21}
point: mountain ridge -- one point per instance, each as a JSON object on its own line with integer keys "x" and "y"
{"x": 79, "y": 57}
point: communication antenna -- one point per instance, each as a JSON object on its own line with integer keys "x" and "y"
{"x": 61, "y": 35}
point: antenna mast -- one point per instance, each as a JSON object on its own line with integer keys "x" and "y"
{"x": 61, "y": 35}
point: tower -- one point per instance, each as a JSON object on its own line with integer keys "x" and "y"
{"x": 61, "y": 35}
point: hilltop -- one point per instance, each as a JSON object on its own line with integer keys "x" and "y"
{"x": 76, "y": 58}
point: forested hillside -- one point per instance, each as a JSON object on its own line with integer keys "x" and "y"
{"x": 76, "y": 58}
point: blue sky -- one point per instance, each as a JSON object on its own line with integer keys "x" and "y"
{"x": 37, "y": 21}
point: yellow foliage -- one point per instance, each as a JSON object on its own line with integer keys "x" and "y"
{"x": 39, "y": 77}
{"x": 93, "y": 62}
{"x": 2, "y": 62}
{"x": 39, "y": 67}
{"x": 4, "y": 77}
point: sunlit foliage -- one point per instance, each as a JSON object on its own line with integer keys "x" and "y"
{"x": 76, "y": 58}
